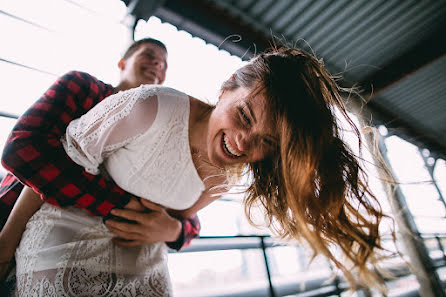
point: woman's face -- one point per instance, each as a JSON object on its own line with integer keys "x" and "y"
{"x": 240, "y": 129}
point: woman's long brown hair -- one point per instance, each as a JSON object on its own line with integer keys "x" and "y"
{"x": 312, "y": 187}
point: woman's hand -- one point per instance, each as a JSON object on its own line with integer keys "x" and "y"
{"x": 150, "y": 223}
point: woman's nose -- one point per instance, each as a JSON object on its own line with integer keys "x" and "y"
{"x": 243, "y": 141}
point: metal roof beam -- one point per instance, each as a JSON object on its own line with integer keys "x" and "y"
{"x": 425, "y": 53}
{"x": 428, "y": 51}
{"x": 210, "y": 17}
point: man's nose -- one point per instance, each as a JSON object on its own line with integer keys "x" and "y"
{"x": 158, "y": 63}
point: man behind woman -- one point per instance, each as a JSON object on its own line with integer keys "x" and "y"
{"x": 144, "y": 62}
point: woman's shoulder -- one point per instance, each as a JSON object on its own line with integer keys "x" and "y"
{"x": 157, "y": 90}
{"x": 198, "y": 109}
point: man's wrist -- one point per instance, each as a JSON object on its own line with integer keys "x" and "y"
{"x": 178, "y": 242}
{"x": 177, "y": 230}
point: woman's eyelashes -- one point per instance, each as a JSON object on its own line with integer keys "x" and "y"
{"x": 244, "y": 117}
{"x": 268, "y": 142}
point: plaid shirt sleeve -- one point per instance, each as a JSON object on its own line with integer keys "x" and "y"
{"x": 35, "y": 155}
{"x": 190, "y": 230}
{"x": 10, "y": 189}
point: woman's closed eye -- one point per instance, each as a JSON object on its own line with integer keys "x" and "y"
{"x": 244, "y": 117}
{"x": 269, "y": 143}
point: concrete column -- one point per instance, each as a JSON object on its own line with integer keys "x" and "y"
{"x": 422, "y": 265}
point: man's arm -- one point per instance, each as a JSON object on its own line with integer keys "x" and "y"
{"x": 35, "y": 155}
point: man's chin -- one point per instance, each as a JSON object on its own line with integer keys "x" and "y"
{"x": 151, "y": 82}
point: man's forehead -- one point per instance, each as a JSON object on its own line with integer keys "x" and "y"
{"x": 152, "y": 47}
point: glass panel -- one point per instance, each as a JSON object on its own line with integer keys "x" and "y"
{"x": 226, "y": 218}
{"x": 431, "y": 225}
{"x": 187, "y": 53}
{"x": 67, "y": 16}
{"x": 440, "y": 176}
{"x": 74, "y": 38}
{"x": 402, "y": 285}
{"x": 217, "y": 272}
{"x": 421, "y": 195}
{"x": 18, "y": 98}
{"x": 289, "y": 266}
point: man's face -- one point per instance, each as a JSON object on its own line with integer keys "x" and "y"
{"x": 147, "y": 65}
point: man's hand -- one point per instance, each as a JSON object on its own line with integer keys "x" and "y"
{"x": 135, "y": 204}
{"x": 151, "y": 224}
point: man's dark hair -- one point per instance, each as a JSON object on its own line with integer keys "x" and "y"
{"x": 135, "y": 46}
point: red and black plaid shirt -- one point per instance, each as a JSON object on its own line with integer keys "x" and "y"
{"x": 34, "y": 155}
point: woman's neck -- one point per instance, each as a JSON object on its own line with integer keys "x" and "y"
{"x": 198, "y": 125}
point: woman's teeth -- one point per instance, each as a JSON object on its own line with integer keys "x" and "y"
{"x": 229, "y": 149}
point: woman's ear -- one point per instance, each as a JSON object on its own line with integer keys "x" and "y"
{"x": 121, "y": 64}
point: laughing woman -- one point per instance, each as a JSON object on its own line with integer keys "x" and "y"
{"x": 275, "y": 116}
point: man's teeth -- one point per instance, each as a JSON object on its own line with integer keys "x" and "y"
{"x": 229, "y": 148}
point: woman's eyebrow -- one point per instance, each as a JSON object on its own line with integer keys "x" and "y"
{"x": 248, "y": 105}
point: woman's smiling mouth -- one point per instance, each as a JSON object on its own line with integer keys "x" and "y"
{"x": 228, "y": 149}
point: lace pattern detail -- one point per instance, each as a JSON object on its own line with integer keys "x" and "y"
{"x": 90, "y": 264}
{"x": 79, "y": 282}
{"x": 168, "y": 144}
{"x": 124, "y": 100}
{"x": 158, "y": 165}
{"x": 142, "y": 143}
{"x": 67, "y": 252}
{"x": 95, "y": 124}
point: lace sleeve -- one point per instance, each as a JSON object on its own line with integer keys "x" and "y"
{"x": 110, "y": 125}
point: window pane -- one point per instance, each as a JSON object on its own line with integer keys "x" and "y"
{"x": 217, "y": 272}
{"x": 440, "y": 176}
{"x": 16, "y": 97}
{"x": 63, "y": 36}
{"x": 187, "y": 53}
{"x": 421, "y": 195}
{"x": 291, "y": 269}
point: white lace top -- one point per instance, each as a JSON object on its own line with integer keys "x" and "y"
{"x": 141, "y": 137}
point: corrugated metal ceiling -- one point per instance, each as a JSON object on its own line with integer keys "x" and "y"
{"x": 395, "y": 48}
